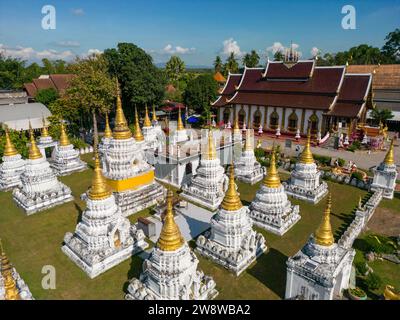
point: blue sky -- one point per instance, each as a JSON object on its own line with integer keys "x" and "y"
{"x": 195, "y": 30}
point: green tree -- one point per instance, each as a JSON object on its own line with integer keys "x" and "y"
{"x": 278, "y": 56}
{"x": 381, "y": 115}
{"x": 251, "y": 59}
{"x": 174, "y": 69}
{"x": 391, "y": 48}
{"x": 92, "y": 90}
{"x": 46, "y": 96}
{"x": 141, "y": 81}
{"x": 200, "y": 92}
{"x": 218, "y": 65}
{"x": 231, "y": 64}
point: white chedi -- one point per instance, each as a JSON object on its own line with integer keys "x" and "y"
{"x": 305, "y": 181}
{"x": 65, "y": 159}
{"x": 247, "y": 168}
{"x": 40, "y": 188}
{"x": 207, "y": 187}
{"x": 45, "y": 139}
{"x": 103, "y": 238}
{"x": 180, "y": 134}
{"x": 385, "y": 175}
{"x": 170, "y": 272}
{"x": 271, "y": 210}
{"x": 12, "y": 286}
{"x": 11, "y": 167}
{"x": 105, "y": 139}
{"x": 150, "y": 133}
{"x": 321, "y": 269}
{"x": 232, "y": 242}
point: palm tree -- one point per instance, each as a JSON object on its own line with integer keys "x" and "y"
{"x": 218, "y": 66}
{"x": 251, "y": 59}
{"x": 174, "y": 68}
{"x": 381, "y": 115}
{"x": 231, "y": 64}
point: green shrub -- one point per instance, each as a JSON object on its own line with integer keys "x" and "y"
{"x": 78, "y": 143}
{"x": 361, "y": 267}
{"x": 379, "y": 244}
{"x": 373, "y": 281}
{"x": 323, "y": 160}
{"x": 259, "y": 153}
{"x": 341, "y": 162}
{"x": 357, "y": 175}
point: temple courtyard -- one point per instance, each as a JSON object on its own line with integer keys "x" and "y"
{"x": 33, "y": 242}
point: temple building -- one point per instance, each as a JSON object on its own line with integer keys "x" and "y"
{"x": 170, "y": 273}
{"x": 247, "y": 168}
{"x": 103, "y": 238}
{"x": 125, "y": 168}
{"x": 305, "y": 181}
{"x": 12, "y": 286}
{"x": 11, "y": 167}
{"x": 232, "y": 241}
{"x": 293, "y": 94}
{"x": 65, "y": 159}
{"x": 40, "y": 188}
{"x": 271, "y": 210}
{"x": 208, "y": 186}
{"x": 321, "y": 269}
{"x": 385, "y": 175}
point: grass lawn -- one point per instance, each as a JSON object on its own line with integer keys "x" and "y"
{"x": 35, "y": 241}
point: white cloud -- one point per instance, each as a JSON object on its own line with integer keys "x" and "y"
{"x": 315, "y": 51}
{"x": 28, "y": 53}
{"x": 276, "y": 47}
{"x": 93, "y": 51}
{"x": 169, "y": 49}
{"x": 230, "y": 45}
{"x": 68, "y": 43}
{"x": 78, "y": 12}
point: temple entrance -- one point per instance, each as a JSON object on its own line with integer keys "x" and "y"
{"x": 242, "y": 116}
{"x": 257, "y": 119}
{"x": 274, "y": 120}
{"x": 227, "y": 113}
{"x": 188, "y": 168}
{"x": 293, "y": 121}
{"x": 117, "y": 239}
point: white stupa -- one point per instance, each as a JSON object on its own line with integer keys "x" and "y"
{"x": 105, "y": 140}
{"x": 125, "y": 168}
{"x": 321, "y": 269}
{"x": 271, "y": 209}
{"x": 208, "y": 186}
{"x": 45, "y": 140}
{"x": 149, "y": 132}
{"x": 305, "y": 181}
{"x": 103, "y": 238}
{"x": 65, "y": 159}
{"x": 12, "y": 286}
{"x": 232, "y": 242}
{"x": 170, "y": 273}
{"x": 40, "y": 188}
{"x": 237, "y": 133}
{"x": 11, "y": 167}
{"x": 180, "y": 134}
{"x": 385, "y": 175}
{"x": 247, "y": 168}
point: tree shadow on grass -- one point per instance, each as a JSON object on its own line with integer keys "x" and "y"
{"x": 270, "y": 269}
{"x": 80, "y": 211}
{"x": 346, "y": 221}
{"x": 134, "y": 271}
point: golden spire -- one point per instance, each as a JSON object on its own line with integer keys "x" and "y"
{"x": 170, "y": 236}
{"x": 272, "y": 179}
{"x": 9, "y": 149}
{"x": 306, "y": 156}
{"x": 138, "y": 132}
{"x": 10, "y": 285}
{"x": 248, "y": 146}
{"x": 121, "y": 129}
{"x": 107, "y": 130}
{"x": 64, "y": 141}
{"x": 44, "y": 132}
{"x": 180, "y": 125}
{"x": 154, "y": 114}
{"x": 99, "y": 189}
{"x": 231, "y": 200}
{"x": 211, "y": 152}
{"x": 147, "y": 122}
{"x": 34, "y": 152}
{"x": 389, "y": 158}
{"x": 324, "y": 236}
{"x": 236, "y": 125}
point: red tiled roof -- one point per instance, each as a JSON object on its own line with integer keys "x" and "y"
{"x": 30, "y": 89}
{"x": 61, "y": 81}
{"x": 279, "y": 70}
{"x": 354, "y": 87}
{"x": 342, "y": 109}
{"x": 219, "y": 77}
{"x": 231, "y": 83}
{"x": 45, "y": 83}
{"x": 386, "y": 76}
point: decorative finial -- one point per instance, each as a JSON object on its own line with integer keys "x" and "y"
{"x": 147, "y": 122}
{"x": 154, "y": 114}
{"x": 306, "y": 156}
{"x": 180, "y": 125}
{"x": 10, "y": 285}
{"x": 389, "y": 158}
{"x": 107, "y": 130}
{"x": 99, "y": 189}
{"x": 272, "y": 179}
{"x": 236, "y": 128}
{"x": 248, "y": 146}
{"x": 323, "y": 235}
{"x": 44, "y": 132}
{"x": 231, "y": 201}
{"x": 64, "y": 141}
{"x": 138, "y": 132}
{"x": 170, "y": 237}
{"x": 34, "y": 152}
{"x": 9, "y": 148}
{"x": 211, "y": 152}
{"x": 121, "y": 130}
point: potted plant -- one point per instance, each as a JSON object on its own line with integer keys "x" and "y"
{"x": 357, "y": 294}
